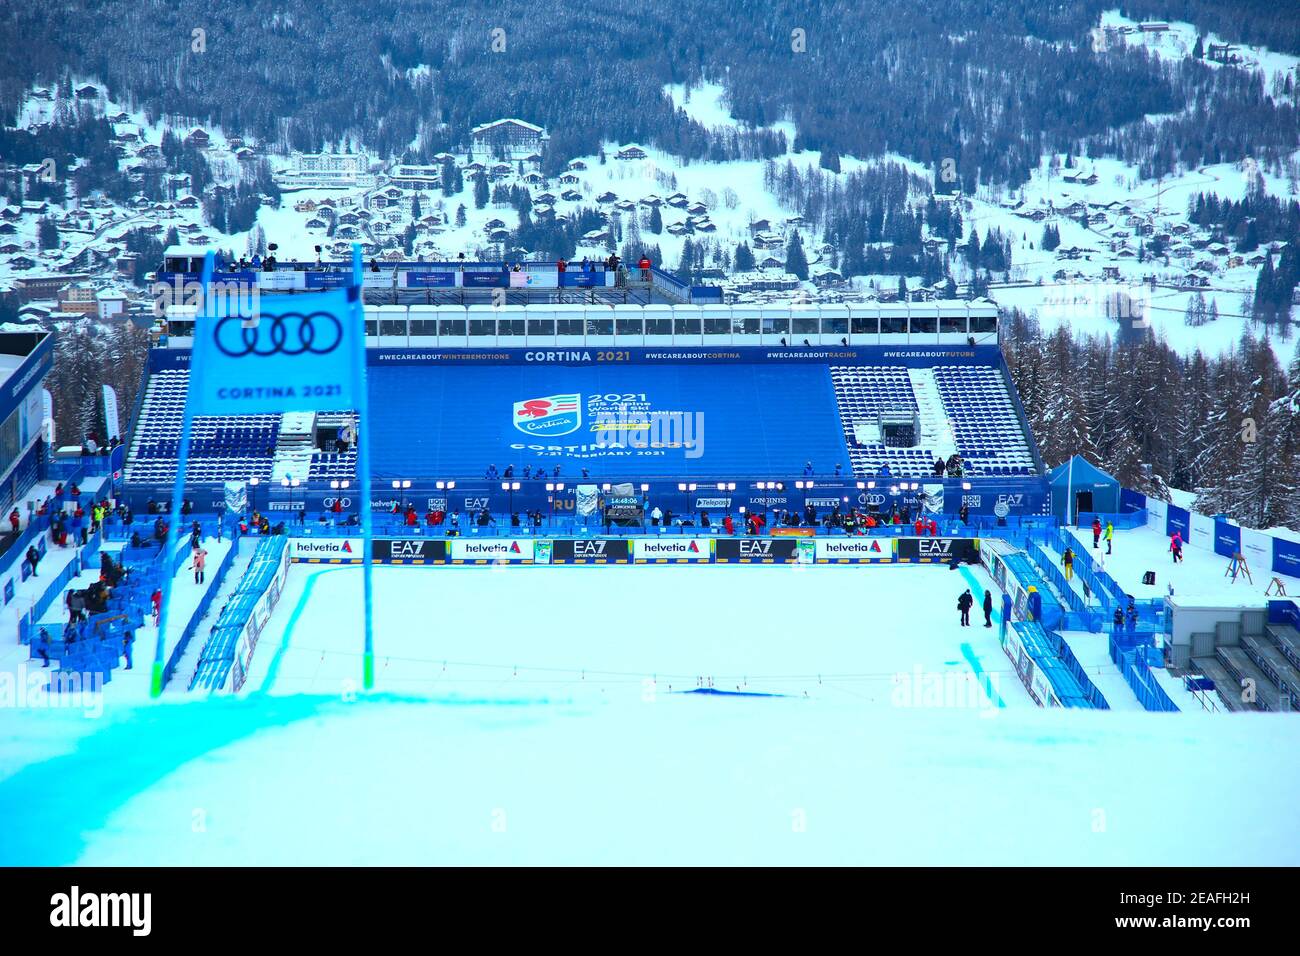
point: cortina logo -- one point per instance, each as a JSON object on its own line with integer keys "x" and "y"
{"x": 290, "y": 333}
{"x": 550, "y": 416}
{"x": 75, "y": 909}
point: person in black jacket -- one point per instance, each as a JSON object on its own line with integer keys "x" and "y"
{"x": 988, "y": 608}
{"x": 964, "y": 604}
{"x": 33, "y": 558}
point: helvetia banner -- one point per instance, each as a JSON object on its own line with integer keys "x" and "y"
{"x": 492, "y": 549}
{"x": 672, "y": 549}
{"x": 326, "y": 549}
{"x": 855, "y": 549}
{"x": 276, "y": 353}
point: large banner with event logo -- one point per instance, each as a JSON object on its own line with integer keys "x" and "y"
{"x": 276, "y": 353}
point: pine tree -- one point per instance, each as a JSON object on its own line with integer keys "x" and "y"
{"x": 480, "y": 191}
{"x": 656, "y": 221}
{"x": 796, "y": 263}
{"x": 743, "y": 260}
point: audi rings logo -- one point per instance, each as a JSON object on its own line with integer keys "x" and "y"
{"x": 290, "y": 333}
{"x": 343, "y": 502}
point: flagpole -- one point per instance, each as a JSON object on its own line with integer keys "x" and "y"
{"x": 178, "y": 489}
{"x": 363, "y": 463}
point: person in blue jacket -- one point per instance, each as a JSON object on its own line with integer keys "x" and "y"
{"x": 1035, "y": 605}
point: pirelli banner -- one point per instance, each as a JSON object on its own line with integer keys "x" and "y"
{"x": 756, "y": 551}
{"x": 409, "y": 550}
{"x": 591, "y": 551}
{"x": 938, "y": 550}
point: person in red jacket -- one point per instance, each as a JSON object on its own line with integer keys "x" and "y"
{"x": 14, "y": 520}
{"x": 728, "y": 525}
{"x": 644, "y": 266}
{"x": 934, "y": 528}
{"x": 412, "y": 519}
{"x": 156, "y": 600}
{"x": 337, "y": 507}
{"x": 431, "y": 518}
{"x": 919, "y": 526}
{"x": 1096, "y": 531}
{"x": 560, "y": 266}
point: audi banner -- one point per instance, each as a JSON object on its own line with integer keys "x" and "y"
{"x": 757, "y": 549}
{"x": 409, "y": 550}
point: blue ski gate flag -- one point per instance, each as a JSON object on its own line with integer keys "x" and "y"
{"x": 295, "y": 353}
{"x": 285, "y": 353}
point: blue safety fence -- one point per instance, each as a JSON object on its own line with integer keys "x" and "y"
{"x": 205, "y": 602}
{"x": 1135, "y": 657}
{"x": 218, "y": 657}
{"x": 1068, "y": 688}
{"x": 29, "y": 623}
{"x": 1081, "y": 678}
{"x": 1078, "y": 616}
{"x": 96, "y": 645}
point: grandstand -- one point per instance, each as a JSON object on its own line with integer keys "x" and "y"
{"x": 871, "y": 391}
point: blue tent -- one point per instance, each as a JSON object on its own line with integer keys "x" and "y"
{"x": 1093, "y": 489}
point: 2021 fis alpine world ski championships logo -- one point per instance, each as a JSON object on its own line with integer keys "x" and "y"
{"x": 550, "y": 416}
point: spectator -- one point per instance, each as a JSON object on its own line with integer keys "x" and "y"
{"x": 644, "y": 265}
{"x": 33, "y": 558}
{"x": 14, "y": 520}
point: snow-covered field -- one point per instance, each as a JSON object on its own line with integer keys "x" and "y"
{"x": 550, "y": 715}
{"x": 1201, "y": 573}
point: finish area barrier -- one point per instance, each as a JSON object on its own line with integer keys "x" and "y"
{"x": 635, "y": 550}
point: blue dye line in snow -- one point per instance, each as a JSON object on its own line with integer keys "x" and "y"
{"x": 986, "y": 683}
{"x": 274, "y": 670}
{"x": 969, "y": 652}
{"x": 716, "y": 692}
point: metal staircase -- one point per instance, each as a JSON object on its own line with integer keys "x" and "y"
{"x": 294, "y": 447}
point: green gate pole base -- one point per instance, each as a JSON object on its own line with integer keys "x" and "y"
{"x": 156, "y": 684}
{"x": 368, "y": 678}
